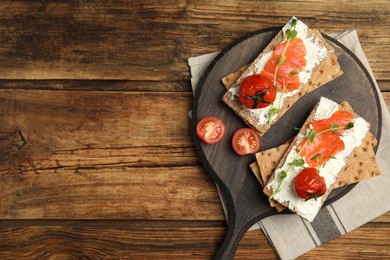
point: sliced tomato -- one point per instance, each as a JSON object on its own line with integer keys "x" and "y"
{"x": 245, "y": 141}
{"x": 210, "y": 129}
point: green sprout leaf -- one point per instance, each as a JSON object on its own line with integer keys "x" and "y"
{"x": 297, "y": 162}
{"x": 294, "y": 23}
{"x": 311, "y": 135}
{"x": 316, "y": 157}
{"x": 349, "y": 126}
{"x": 292, "y": 73}
{"x": 291, "y": 35}
{"x": 297, "y": 128}
{"x": 273, "y": 112}
{"x": 282, "y": 175}
{"x": 288, "y": 33}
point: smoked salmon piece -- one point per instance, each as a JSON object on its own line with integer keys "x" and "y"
{"x": 325, "y": 144}
{"x": 340, "y": 117}
{"x": 287, "y": 72}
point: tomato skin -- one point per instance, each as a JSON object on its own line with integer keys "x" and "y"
{"x": 257, "y": 91}
{"x": 210, "y": 129}
{"x": 245, "y": 141}
{"x": 309, "y": 184}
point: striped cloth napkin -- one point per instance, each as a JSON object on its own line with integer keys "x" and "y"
{"x": 289, "y": 234}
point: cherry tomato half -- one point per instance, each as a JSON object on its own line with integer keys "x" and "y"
{"x": 210, "y": 129}
{"x": 245, "y": 141}
{"x": 309, "y": 184}
{"x": 257, "y": 91}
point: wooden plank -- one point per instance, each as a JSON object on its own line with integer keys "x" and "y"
{"x": 109, "y": 192}
{"x": 141, "y": 240}
{"x": 151, "y": 40}
{"x": 362, "y": 243}
{"x": 115, "y": 243}
{"x": 386, "y": 97}
{"x": 384, "y": 85}
{"x": 384, "y": 218}
{"x": 102, "y": 155}
{"x": 74, "y": 119}
{"x": 87, "y": 128}
{"x": 98, "y": 85}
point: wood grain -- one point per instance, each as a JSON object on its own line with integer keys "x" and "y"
{"x": 115, "y": 243}
{"x": 151, "y": 40}
{"x": 386, "y": 97}
{"x": 93, "y": 119}
{"x": 383, "y": 219}
{"x": 98, "y": 85}
{"x": 136, "y": 240}
{"x": 126, "y": 149}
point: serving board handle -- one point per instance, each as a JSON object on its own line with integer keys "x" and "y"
{"x": 233, "y": 237}
{"x": 240, "y": 220}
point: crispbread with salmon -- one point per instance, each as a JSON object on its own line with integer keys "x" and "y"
{"x": 287, "y": 187}
{"x": 361, "y": 166}
{"x": 326, "y": 70}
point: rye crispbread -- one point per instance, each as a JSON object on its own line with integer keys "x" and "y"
{"x": 256, "y": 171}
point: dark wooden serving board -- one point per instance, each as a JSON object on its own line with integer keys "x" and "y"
{"x": 245, "y": 202}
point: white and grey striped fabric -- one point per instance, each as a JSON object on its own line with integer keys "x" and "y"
{"x": 291, "y": 235}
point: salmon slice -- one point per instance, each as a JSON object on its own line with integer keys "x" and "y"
{"x": 286, "y": 73}
{"x": 326, "y": 144}
{"x": 340, "y": 117}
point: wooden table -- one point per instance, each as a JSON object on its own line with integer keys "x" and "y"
{"x": 97, "y": 159}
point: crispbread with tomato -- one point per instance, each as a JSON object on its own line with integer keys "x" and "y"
{"x": 297, "y": 61}
{"x": 310, "y": 168}
{"x": 362, "y": 165}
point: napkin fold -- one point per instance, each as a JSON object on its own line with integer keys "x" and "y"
{"x": 289, "y": 234}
